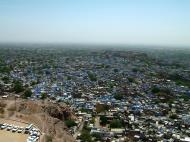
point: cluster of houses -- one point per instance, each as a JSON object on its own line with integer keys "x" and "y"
{"x": 120, "y": 84}
{"x": 142, "y": 118}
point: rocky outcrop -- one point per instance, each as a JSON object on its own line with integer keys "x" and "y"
{"x": 49, "y": 117}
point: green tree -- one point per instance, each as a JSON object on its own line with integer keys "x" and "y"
{"x": 174, "y": 116}
{"x": 68, "y": 78}
{"x": 131, "y": 79}
{"x": 135, "y": 70}
{"x": 18, "y": 87}
{"x": 33, "y": 83}
{"x": 85, "y": 136}
{"x": 5, "y": 69}
{"x": 115, "y": 124}
{"x": 70, "y": 123}
{"x": 6, "y": 79}
{"x": 43, "y": 96}
{"x": 118, "y": 96}
{"x": 27, "y": 93}
{"x": 97, "y": 136}
{"x": 155, "y": 90}
{"x": 103, "y": 120}
{"x": 92, "y": 76}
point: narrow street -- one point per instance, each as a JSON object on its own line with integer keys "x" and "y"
{"x": 97, "y": 122}
{"x": 79, "y": 129}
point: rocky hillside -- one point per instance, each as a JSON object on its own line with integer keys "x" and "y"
{"x": 49, "y": 117}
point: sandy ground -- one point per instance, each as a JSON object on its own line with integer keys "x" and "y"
{"x": 8, "y": 136}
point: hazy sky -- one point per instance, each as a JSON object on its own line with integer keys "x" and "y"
{"x": 154, "y": 22}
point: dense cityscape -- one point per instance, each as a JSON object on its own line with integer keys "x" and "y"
{"x": 110, "y": 94}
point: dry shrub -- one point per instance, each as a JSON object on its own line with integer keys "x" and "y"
{"x": 10, "y": 113}
{"x": 2, "y": 110}
{"x": 48, "y": 138}
{"x": 19, "y": 115}
{"x": 3, "y": 104}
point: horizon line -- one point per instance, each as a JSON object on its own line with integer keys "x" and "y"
{"x": 97, "y": 44}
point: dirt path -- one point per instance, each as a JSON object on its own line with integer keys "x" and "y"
{"x": 79, "y": 129}
{"x": 97, "y": 122}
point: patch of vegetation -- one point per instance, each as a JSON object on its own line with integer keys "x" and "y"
{"x": 92, "y": 76}
{"x": 70, "y": 123}
{"x": 27, "y": 94}
{"x": 18, "y": 87}
{"x": 85, "y": 136}
{"x": 180, "y": 80}
{"x": 6, "y": 79}
{"x": 116, "y": 124}
{"x": 97, "y": 136}
{"x": 43, "y": 96}
{"x": 174, "y": 116}
{"x": 48, "y": 138}
{"x": 131, "y": 79}
{"x": 33, "y": 83}
{"x": 118, "y": 96}
{"x": 5, "y": 69}
{"x": 183, "y": 82}
{"x": 166, "y": 97}
{"x": 135, "y": 69}
{"x": 103, "y": 120}
{"x": 165, "y": 92}
{"x": 111, "y": 85}
{"x": 93, "y": 120}
{"x": 155, "y": 90}
{"x": 68, "y": 78}
{"x": 185, "y": 97}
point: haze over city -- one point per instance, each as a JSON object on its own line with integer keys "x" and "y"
{"x": 146, "y": 22}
